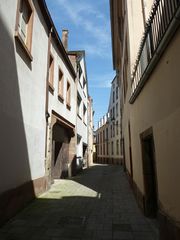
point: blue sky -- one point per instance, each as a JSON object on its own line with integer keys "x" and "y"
{"x": 89, "y": 29}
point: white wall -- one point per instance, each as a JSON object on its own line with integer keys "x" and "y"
{"x": 81, "y": 126}
{"x": 54, "y": 103}
{"x": 22, "y": 102}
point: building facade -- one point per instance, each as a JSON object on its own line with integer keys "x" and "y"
{"x": 23, "y": 71}
{"x": 108, "y": 132}
{"x": 38, "y": 104}
{"x": 90, "y": 132}
{"x": 61, "y": 141}
{"x": 82, "y": 107}
{"x": 145, "y": 43}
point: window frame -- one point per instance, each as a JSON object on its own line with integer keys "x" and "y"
{"x": 112, "y": 148}
{"x": 68, "y": 95}
{"x": 117, "y": 108}
{"x": 117, "y": 147}
{"x": 84, "y": 113}
{"x": 79, "y": 100}
{"x": 60, "y": 93}
{"x": 51, "y": 73}
{"x": 117, "y": 93}
{"x": 25, "y": 45}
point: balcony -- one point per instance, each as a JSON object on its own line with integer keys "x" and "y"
{"x": 162, "y": 24}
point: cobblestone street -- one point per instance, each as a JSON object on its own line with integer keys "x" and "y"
{"x": 97, "y": 204}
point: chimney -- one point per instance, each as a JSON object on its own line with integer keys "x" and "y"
{"x": 65, "y": 39}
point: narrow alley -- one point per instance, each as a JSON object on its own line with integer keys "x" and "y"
{"x": 96, "y": 204}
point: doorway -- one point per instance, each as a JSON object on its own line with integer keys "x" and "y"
{"x": 60, "y": 152}
{"x": 130, "y": 153}
{"x": 149, "y": 172}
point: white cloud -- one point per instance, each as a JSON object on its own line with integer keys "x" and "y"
{"x": 96, "y": 50}
{"x": 101, "y": 80}
{"x": 91, "y": 20}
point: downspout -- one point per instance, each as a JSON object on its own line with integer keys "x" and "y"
{"x": 143, "y": 13}
{"x": 47, "y": 115}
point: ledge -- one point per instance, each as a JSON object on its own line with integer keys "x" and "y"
{"x": 79, "y": 116}
{"x": 60, "y": 97}
{"x": 51, "y": 88}
{"x": 68, "y": 106}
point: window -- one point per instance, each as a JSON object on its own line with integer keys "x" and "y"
{"x": 117, "y": 112}
{"x": 103, "y": 135}
{"x": 112, "y": 148}
{"x": 117, "y": 147}
{"x": 113, "y": 130}
{"x": 113, "y": 112}
{"x": 106, "y": 133}
{"x": 84, "y": 113}
{"x": 61, "y": 85}
{"x": 79, "y": 100}
{"x": 80, "y": 71}
{"x": 117, "y": 128}
{"x": 24, "y": 24}
{"x": 104, "y": 150}
{"x": 107, "y": 148}
{"x": 68, "y": 95}
{"x": 113, "y": 97}
{"x": 84, "y": 82}
{"x": 117, "y": 93}
{"x": 51, "y": 72}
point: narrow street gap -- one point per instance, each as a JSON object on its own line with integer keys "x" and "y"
{"x": 96, "y": 204}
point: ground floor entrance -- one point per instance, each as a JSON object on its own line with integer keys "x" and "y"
{"x": 149, "y": 173}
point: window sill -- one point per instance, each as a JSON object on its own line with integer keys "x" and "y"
{"x": 23, "y": 45}
{"x": 68, "y": 106}
{"x": 60, "y": 97}
{"x": 51, "y": 88}
{"x": 79, "y": 116}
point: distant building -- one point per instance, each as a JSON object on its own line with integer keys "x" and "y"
{"x": 146, "y": 55}
{"x": 108, "y": 132}
{"x": 102, "y": 141}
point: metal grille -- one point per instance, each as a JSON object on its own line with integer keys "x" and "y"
{"x": 162, "y": 13}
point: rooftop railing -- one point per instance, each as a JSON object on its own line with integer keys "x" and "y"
{"x": 161, "y": 17}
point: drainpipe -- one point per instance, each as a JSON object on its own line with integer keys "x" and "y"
{"x": 143, "y": 13}
{"x": 47, "y": 115}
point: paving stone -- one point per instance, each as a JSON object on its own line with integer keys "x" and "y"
{"x": 122, "y": 235}
{"x": 95, "y": 205}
